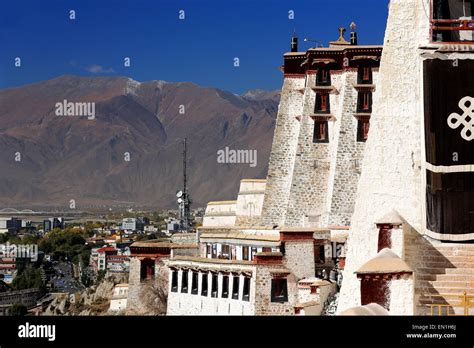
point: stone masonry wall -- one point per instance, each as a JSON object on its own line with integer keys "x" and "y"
{"x": 284, "y": 147}
{"x": 263, "y": 304}
{"x": 311, "y": 172}
{"x": 349, "y": 156}
{"x": 391, "y": 172}
{"x": 299, "y": 258}
{"x": 139, "y": 292}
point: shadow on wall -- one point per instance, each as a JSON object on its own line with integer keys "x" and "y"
{"x": 434, "y": 275}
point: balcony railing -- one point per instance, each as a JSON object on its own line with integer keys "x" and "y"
{"x": 452, "y": 21}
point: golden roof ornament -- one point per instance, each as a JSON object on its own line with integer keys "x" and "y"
{"x": 341, "y": 41}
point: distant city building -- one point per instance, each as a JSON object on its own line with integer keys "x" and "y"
{"x": 129, "y": 224}
{"x": 12, "y": 225}
{"x": 135, "y": 224}
{"x": 52, "y": 223}
{"x": 173, "y": 226}
{"x": 118, "y": 263}
{"x": 102, "y": 255}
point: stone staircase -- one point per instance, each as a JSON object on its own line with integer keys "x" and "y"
{"x": 443, "y": 272}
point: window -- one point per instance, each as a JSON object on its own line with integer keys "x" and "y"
{"x": 323, "y": 77}
{"x": 208, "y": 250}
{"x": 147, "y": 269}
{"x": 204, "y": 284}
{"x": 322, "y": 253}
{"x": 375, "y": 291}
{"x": 235, "y": 287}
{"x": 252, "y": 253}
{"x": 214, "y": 285}
{"x": 364, "y": 102}
{"x": 364, "y": 75}
{"x": 245, "y": 253}
{"x": 452, "y": 20}
{"x": 321, "y": 134}
{"x": 194, "y": 283}
{"x": 279, "y": 290}
{"x": 362, "y": 130}
{"x": 174, "y": 281}
{"x": 322, "y": 103}
{"x": 225, "y": 286}
{"x": 449, "y": 203}
{"x": 214, "y": 251}
{"x": 267, "y": 250}
{"x": 184, "y": 282}
{"x": 246, "y": 292}
{"x": 225, "y": 251}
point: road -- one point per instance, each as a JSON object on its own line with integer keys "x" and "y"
{"x": 64, "y": 280}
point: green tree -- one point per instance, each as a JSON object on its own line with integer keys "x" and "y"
{"x": 29, "y": 278}
{"x": 17, "y": 310}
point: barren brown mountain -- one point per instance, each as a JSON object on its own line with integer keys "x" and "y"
{"x": 70, "y": 157}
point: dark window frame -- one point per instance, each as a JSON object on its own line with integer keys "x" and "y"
{"x": 323, "y": 103}
{"x": 279, "y": 290}
{"x": 184, "y": 281}
{"x": 317, "y": 134}
{"x": 323, "y": 77}
{"x": 174, "y": 281}
{"x": 214, "y": 285}
{"x": 225, "y": 286}
{"x": 194, "y": 283}
{"x": 364, "y": 102}
{"x": 235, "y": 284}
{"x": 364, "y": 78}
{"x": 246, "y": 289}
{"x": 245, "y": 252}
{"x": 363, "y": 128}
{"x": 204, "y": 283}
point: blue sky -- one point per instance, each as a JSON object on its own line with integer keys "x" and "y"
{"x": 200, "y": 48}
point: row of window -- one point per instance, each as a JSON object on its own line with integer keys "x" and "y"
{"x": 364, "y": 76}
{"x": 214, "y": 285}
{"x": 229, "y": 252}
{"x": 321, "y": 131}
{"x": 364, "y": 103}
{"x": 279, "y": 286}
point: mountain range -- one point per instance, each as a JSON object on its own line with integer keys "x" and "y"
{"x": 130, "y": 154}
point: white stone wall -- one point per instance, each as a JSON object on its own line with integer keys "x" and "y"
{"x": 250, "y": 202}
{"x": 180, "y": 303}
{"x": 220, "y": 214}
{"x": 282, "y": 157}
{"x": 349, "y": 155}
{"x": 312, "y": 169}
{"x": 299, "y": 258}
{"x": 391, "y": 170}
{"x": 402, "y": 294}
{"x": 314, "y": 184}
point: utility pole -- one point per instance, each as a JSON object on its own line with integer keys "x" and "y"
{"x": 183, "y": 196}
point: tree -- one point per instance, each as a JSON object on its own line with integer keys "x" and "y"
{"x": 29, "y": 278}
{"x": 68, "y": 243}
{"x": 17, "y": 310}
